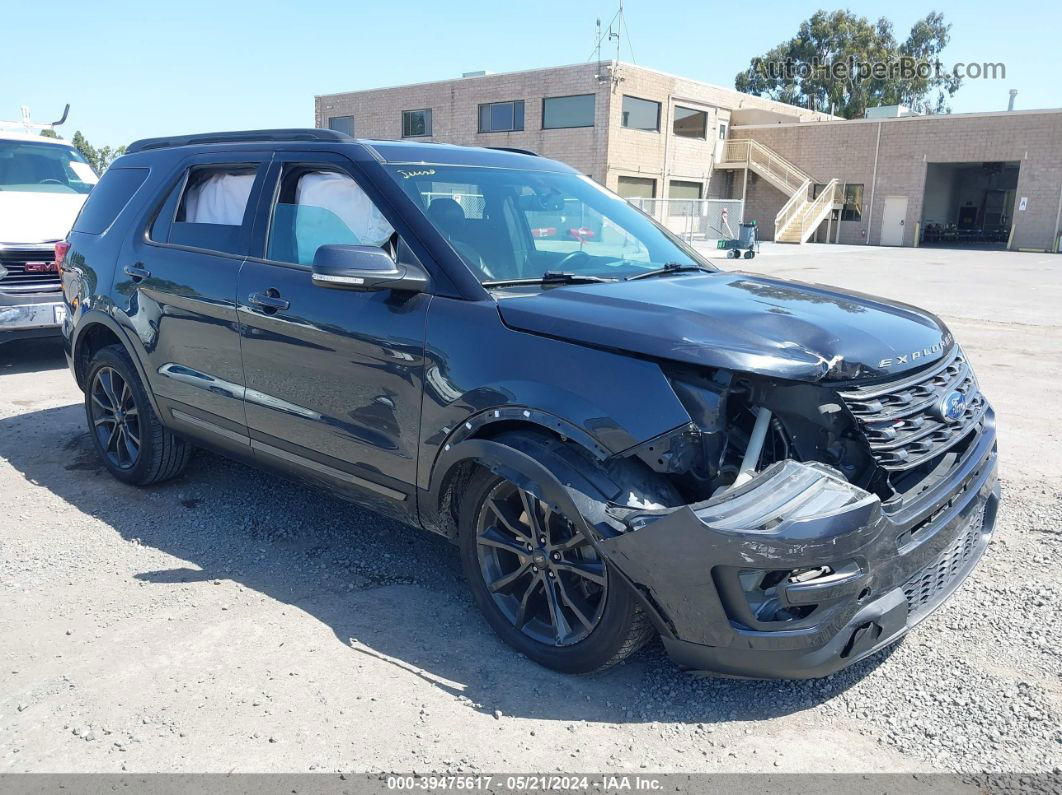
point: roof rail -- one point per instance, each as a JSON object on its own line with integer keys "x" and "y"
{"x": 239, "y": 136}
{"x": 514, "y": 150}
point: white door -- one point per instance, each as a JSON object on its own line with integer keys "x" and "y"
{"x": 892, "y": 220}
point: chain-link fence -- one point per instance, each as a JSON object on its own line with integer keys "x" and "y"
{"x": 696, "y": 219}
{"x": 472, "y": 204}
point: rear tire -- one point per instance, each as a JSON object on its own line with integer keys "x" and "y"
{"x": 126, "y": 432}
{"x": 526, "y": 564}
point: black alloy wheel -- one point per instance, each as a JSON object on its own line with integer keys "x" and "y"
{"x": 133, "y": 445}
{"x": 115, "y": 418}
{"x": 543, "y": 574}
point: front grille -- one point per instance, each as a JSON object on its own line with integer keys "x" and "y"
{"x": 19, "y": 280}
{"x": 939, "y": 575}
{"x": 901, "y": 421}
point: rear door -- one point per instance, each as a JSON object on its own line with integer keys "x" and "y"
{"x": 177, "y": 282}
{"x": 333, "y": 376}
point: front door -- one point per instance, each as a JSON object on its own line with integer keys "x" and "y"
{"x": 893, "y": 220}
{"x": 178, "y": 286}
{"x": 333, "y": 376}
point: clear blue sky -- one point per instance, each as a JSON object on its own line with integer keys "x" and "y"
{"x": 135, "y": 69}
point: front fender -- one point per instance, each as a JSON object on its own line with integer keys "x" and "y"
{"x": 476, "y": 365}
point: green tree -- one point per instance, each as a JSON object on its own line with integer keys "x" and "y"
{"x": 843, "y": 63}
{"x": 100, "y": 158}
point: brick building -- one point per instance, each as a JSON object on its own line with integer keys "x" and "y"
{"x": 635, "y": 130}
{"x": 985, "y": 179}
{"x": 977, "y": 178}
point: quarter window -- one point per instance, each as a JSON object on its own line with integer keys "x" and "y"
{"x": 690, "y": 123}
{"x": 561, "y": 112}
{"x": 501, "y": 116}
{"x": 641, "y": 114}
{"x": 109, "y": 198}
{"x": 343, "y": 124}
{"x": 853, "y": 203}
{"x": 416, "y": 123}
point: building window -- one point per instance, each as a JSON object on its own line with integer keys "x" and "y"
{"x": 576, "y": 111}
{"x": 636, "y": 188}
{"x": 343, "y": 124}
{"x": 641, "y": 114}
{"x": 416, "y": 123}
{"x": 853, "y": 203}
{"x": 501, "y": 116}
{"x": 722, "y": 131}
{"x": 690, "y": 123}
{"x": 680, "y": 189}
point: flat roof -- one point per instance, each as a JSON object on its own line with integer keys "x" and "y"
{"x": 902, "y": 119}
{"x": 487, "y": 76}
{"x": 782, "y": 106}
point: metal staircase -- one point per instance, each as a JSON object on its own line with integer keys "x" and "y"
{"x": 802, "y": 213}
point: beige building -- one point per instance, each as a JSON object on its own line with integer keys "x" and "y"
{"x": 638, "y": 131}
{"x": 982, "y": 179}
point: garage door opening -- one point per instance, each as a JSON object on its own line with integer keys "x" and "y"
{"x": 969, "y": 204}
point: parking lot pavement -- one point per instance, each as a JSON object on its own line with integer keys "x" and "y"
{"x": 231, "y": 620}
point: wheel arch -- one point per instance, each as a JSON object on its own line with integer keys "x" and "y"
{"x": 98, "y": 330}
{"x": 580, "y": 474}
{"x": 457, "y": 460}
{"x": 559, "y": 474}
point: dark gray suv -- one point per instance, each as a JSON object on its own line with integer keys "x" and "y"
{"x": 779, "y": 479}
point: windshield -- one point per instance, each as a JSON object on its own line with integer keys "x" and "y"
{"x": 509, "y": 224}
{"x": 31, "y": 167}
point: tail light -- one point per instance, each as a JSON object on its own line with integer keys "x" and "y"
{"x": 60, "y": 254}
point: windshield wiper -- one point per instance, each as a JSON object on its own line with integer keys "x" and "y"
{"x": 670, "y": 267}
{"x": 550, "y": 277}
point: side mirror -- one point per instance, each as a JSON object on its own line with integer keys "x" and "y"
{"x": 347, "y": 267}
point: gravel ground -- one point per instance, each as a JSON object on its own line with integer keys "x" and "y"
{"x": 231, "y": 620}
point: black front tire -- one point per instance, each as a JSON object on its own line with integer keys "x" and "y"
{"x": 619, "y": 624}
{"x": 157, "y": 454}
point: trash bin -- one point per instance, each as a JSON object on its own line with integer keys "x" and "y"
{"x": 747, "y": 235}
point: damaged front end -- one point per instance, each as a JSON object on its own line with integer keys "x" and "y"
{"x": 800, "y": 551}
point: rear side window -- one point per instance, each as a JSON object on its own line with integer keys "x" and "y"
{"x": 109, "y": 198}
{"x": 210, "y": 211}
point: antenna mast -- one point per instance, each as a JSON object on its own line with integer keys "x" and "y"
{"x": 616, "y": 28}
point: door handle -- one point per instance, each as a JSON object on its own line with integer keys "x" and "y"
{"x": 268, "y": 301}
{"x": 137, "y": 272}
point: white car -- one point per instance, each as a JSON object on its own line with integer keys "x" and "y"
{"x": 43, "y": 183}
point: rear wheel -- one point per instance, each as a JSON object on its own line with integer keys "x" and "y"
{"x": 539, "y": 580}
{"x": 126, "y": 432}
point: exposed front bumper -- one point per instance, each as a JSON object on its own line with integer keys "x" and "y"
{"x": 31, "y": 315}
{"x": 702, "y": 567}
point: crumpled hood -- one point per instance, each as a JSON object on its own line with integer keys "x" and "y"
{"x": 37, "y": 217}
{"x": 738, "y": 321}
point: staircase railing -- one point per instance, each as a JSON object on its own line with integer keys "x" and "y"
{"x": 798, "y": 213}
{"x": 813, "y": 212}
{"x": 765, "y": 161}
{"x": 792, "y": 208}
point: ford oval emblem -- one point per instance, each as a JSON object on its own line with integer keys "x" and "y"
{"x": 951, "y": 407}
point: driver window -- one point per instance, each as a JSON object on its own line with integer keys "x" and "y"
{"x": 318, "y": 207}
